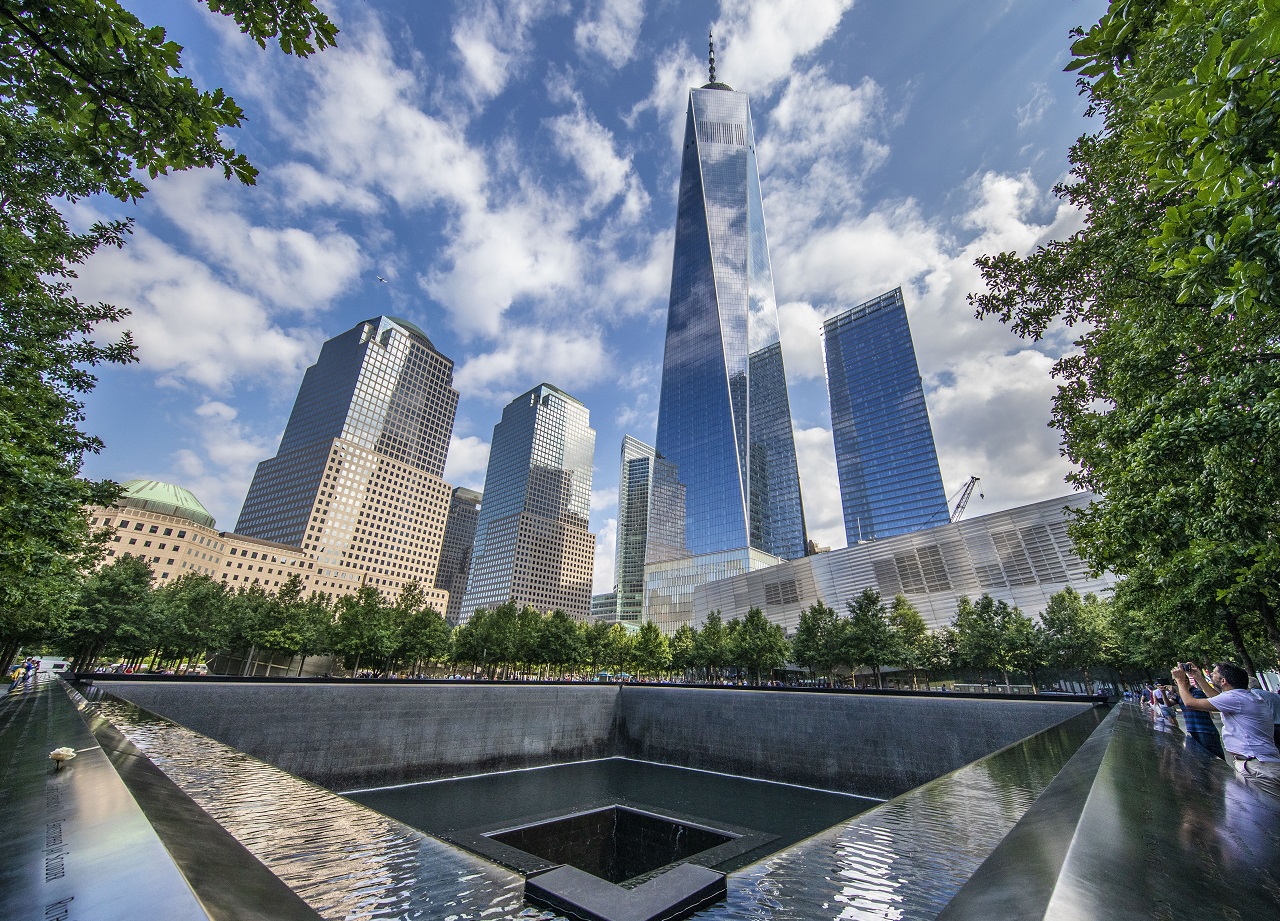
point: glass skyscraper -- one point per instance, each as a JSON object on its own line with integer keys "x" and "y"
{"x": 455, "y": 549}
{"x": 890, "y": 483}
{"x": 356, "y": 479}
{"x": 724, "y": 418}
{"x": 532, "y": 544}
{"x": 650, "y": 522}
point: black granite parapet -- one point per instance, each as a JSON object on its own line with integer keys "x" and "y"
{"x": 1141, "y": 823}
{"x": 76, "y": 844}
{"x": 874, "y": 745}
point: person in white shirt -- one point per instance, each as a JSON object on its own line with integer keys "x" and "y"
{"x": 1247, "y": 725}
{"x": 1274, "y": 699}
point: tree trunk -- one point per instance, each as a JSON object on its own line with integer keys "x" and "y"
{"x": 1267, "y": 613}
{"x": 1237, "y": 640}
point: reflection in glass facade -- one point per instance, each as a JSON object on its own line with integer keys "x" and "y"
{"x": 356, "y": 479}
{"x": 650, "y": 522}
{"x": 670, "y": 587}
{"x": 455, "y": 548}
{"x": 532, "y": 542}
{"x": 1020, "y": 555}
{"x": 724, "y": 418}
{"x": 889, "y": 478}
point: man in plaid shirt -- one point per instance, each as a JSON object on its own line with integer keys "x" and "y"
{"x": 1200, "y": 725}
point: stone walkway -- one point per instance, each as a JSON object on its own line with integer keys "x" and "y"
{"x": 76, "y": 844}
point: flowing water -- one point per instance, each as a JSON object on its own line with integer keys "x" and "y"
{"x": 902, "y": 860}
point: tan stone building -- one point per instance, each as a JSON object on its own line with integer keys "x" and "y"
{"x": 168, "y": 527}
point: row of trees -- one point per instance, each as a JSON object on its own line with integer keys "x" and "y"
{"x": 118, "y": 614}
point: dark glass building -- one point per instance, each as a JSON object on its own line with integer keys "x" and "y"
{"x": 455, "y": 549}
{"x": 890, "y": 483}
{"x": 533, "y": 546}
{"x": 724, "y": 418}
{"x": 650, "y": 522}
{"x": 356, "y": 479}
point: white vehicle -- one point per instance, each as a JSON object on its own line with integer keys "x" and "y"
{"x": 57, "y": 666}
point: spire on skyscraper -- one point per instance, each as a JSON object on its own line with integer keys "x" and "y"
{"x": 712, "y": 84}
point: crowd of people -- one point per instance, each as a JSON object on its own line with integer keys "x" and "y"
{"x": 1250, "y": 737}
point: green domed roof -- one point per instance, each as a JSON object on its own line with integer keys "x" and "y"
{"x": 165, "y": 498}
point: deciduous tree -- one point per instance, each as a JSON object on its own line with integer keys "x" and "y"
{"x": 1169, "y": 406}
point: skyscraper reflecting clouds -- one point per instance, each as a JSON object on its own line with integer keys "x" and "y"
{"x": 890, "y": 483}
{"x": 356, "y": 479}
{"x": 724, "y": 418}
{"x": 650, "y": 522}
{"x": 532, "y": 543}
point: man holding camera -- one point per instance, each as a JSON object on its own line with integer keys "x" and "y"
{"x": 1246, "y": 717}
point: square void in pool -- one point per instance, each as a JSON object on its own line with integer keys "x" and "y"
{"x": 617, "y": 819}
{"x": 616, "y": 844}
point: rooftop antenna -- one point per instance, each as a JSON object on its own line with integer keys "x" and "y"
{"x": 711, "y": 57}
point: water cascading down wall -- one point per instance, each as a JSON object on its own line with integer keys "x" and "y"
{"x": 349, "y": 736}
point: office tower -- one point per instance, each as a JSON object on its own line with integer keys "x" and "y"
{"x": 650, "y": 522}
{"x": 532, "y": 543}
{"x": 356, "y": 479}
{"x": 889, "y": 478}
{"x": 455, "y": 549}
{"x": 724, "y": 419}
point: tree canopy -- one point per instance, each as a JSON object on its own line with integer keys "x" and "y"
{"x": 1169, "y": 406}
{"x": 91, "y": 99}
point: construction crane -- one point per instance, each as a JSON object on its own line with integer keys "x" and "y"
{"x": 966, "y": 492}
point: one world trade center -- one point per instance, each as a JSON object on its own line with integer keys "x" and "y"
{"x": 724, "y": 418}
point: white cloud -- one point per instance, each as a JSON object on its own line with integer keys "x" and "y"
{"x": 823, "y": 139}
{"x": 467, "y": 461}
{"x": 522, "y": 249}
{"x": 641, "y": 285}
{"x": 991, "y": 421}
{"x": 220, "y": 466}
{"x": 493, "y": 40}
{"x": 288, "y": 267}
{"x": 190, "y": 326}
{"x": 1033, "y": 110}
{"x": 609, "y": 175}
{"x": 800, "y": 329}
{"x": 606, "y": 551}
{"x": 759, "y": 41}
{"x": 816, "y": 457}
{"x": 675, "y": 72}
{"x": 857, "y": 258}
{"x": 306, "y": 187}
{"x": 604, "y": 499}
{"x": 609, "y": 28}
{"x": 366, "y": 126}
{"x": 566, "y": 358}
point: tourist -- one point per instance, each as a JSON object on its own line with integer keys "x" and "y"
{"x": 1200, "y": 725}
{"x": 1272, "y": 698}
{"x": 1247, "y": 726}
{"x": 1162, "y": 703}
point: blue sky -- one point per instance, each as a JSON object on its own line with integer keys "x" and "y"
{"x": 510, "y": 166}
